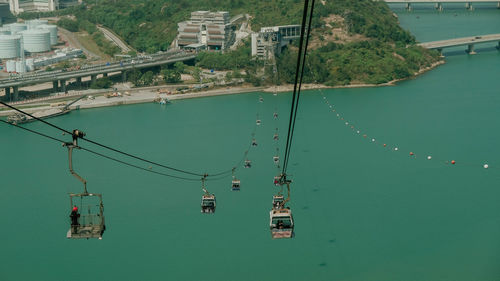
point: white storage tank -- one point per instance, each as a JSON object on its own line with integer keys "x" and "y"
{"x": 16, "y": 27}
{"x": 30, "y": 64}
{"x": 36, "y": 40}
{"x": 10, "y": 46}
{"x": 33, "y": 24}
{"x": 10, "y": 66}
{"x": 20, "y": 67}
{"x": 53, "y": 32}
{"x": 4, "y": 30}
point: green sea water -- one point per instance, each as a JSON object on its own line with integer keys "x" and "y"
{"x": 362, "y": 211}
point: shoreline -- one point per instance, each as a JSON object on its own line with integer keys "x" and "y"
{"x": 149, "y": 94}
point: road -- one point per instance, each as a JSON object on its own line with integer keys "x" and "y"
{"x": 72, "y": 40}
{"x": 115, "y": 39}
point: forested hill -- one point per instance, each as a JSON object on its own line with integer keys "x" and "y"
{"x": 353, "y": 41}
{"x": 151, "y": 25}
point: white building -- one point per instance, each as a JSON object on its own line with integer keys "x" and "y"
{"x": 19, "y": 6}
{"x": 212, "y": 29}
{"x": 271, "y": 40}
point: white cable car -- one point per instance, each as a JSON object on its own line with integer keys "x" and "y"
{"x": 275, "y": 137}
{"x": 248, "y": 164}
{"x": 258, "y": 122}
{"x": 254, "y": 142}
{"x": 235, "y": 184}
{"x": 275, "y": 115}
{"x": 281, "y": 223}
{"x": 276, "y": 160}
{"x": 208, "y": 203}
{"x": 278, "y": 201}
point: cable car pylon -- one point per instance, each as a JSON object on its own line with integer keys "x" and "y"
{"x": 87, "y": 209}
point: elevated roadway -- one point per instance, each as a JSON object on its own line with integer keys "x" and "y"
{"x": 61, "y": 76}
{"x": 439, "y": 3}
{"x": 464, "y": 41}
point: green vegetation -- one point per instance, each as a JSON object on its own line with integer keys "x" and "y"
{"x": 372, "y": 47}
{"x": 102, "y": 83}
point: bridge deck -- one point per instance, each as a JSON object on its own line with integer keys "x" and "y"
{"x": 441, "y": 1}
{"x": 461, "y": 41}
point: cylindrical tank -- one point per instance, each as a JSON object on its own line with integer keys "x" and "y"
{"x": 53, "y": 32}
{"x": 4, "y": 30}
{"x": 10, "y": 46}
{"x": 36, "y": 40}
{"x": 30, "y": 64}
{"x": 16, "y": 27}
{"x": 20, "y": 67}
{"x": 33, "y": 24}
{"x": 10, "y": 66}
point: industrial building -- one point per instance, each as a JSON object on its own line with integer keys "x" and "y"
{"x": 271, "y": 40}
{"x": 211, "y": 29}
{"x": 19, "y": 6}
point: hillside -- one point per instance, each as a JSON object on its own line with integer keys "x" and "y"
{"x": 353, "y": 42}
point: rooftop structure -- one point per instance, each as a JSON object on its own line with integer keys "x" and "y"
{"x": 212, "y": 29}
{"x": 271, "y": 40}
{"x": 19, "y": 6}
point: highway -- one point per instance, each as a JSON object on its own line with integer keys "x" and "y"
{"x": 461, "y": 41}
{"x": 135, "y": 63}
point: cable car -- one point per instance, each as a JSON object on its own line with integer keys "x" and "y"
{"x": 90, "y": 222}
{"x": 276, "y": 159}
{"x": 261, "y": 99}
{"x": 275, "y": 137}
{"x": 235, "y": 184}
{"x": 277, "y": 180}
{"x": 277, "y": 201}
{"x": 275, "y": 115}
{"x": 254, "y": 142}
{"x": 258, "y": 122}
{"x": 87, "y": 217}
{"x": 281, "y": 223}
{"x": 208, "y": 203}
{"x": 248, "y": 164}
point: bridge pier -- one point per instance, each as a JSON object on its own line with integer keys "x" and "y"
{"x": 104, "y": 75}
{"x": 7, "y": 94}
{"x": 470, "y": 49}
{"x": 63, "y": 85}
{"x": 439, "y": 6}
{"x": 16, "y": 93}
{"x": 93, "y": 78}
{"x": 55, "y": 85}
{"x": 79, "y": 81}
{"x": 124, "y": 76}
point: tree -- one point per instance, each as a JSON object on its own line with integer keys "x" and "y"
{"x": 171, "y": 76}
{"x": 179, "y": 67}
{"x": 147, "y": 78}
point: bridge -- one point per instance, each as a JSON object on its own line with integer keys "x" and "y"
{"x": 60, "y": 77}
{"x": 439, "y": 3}
{"x": 464, "y": 41}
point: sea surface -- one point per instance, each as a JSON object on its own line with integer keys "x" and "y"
{"x": 362, "y": 211}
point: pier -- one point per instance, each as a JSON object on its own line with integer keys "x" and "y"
{"x": 464, "y": 41}
{"x": 439, "y": 3}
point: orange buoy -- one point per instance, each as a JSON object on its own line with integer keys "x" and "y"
{"x": 411, "y": 153}
{"x": 364, "y": 136}
{"x": 385, "y": 145}
{"x": 453, "y": 162}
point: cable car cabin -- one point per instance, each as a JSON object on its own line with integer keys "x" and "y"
{"x": 258, "y": 122}
{"x": 276, "y": 159}
{"x": 281, "y": 223}
{"x": 277, "y": 180}
{"x": 87, "y": 216}
{"x": 277, "y": 201}
{"x": 275, "y": 137}
{"x": 275, "y": 115}
{"x": 248, "y": 164}
{"x": 208, "y": 203}
{"x": 261, "y": 99}
{"x": 235, "y": 185}
{"x": 254, "y": 142}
